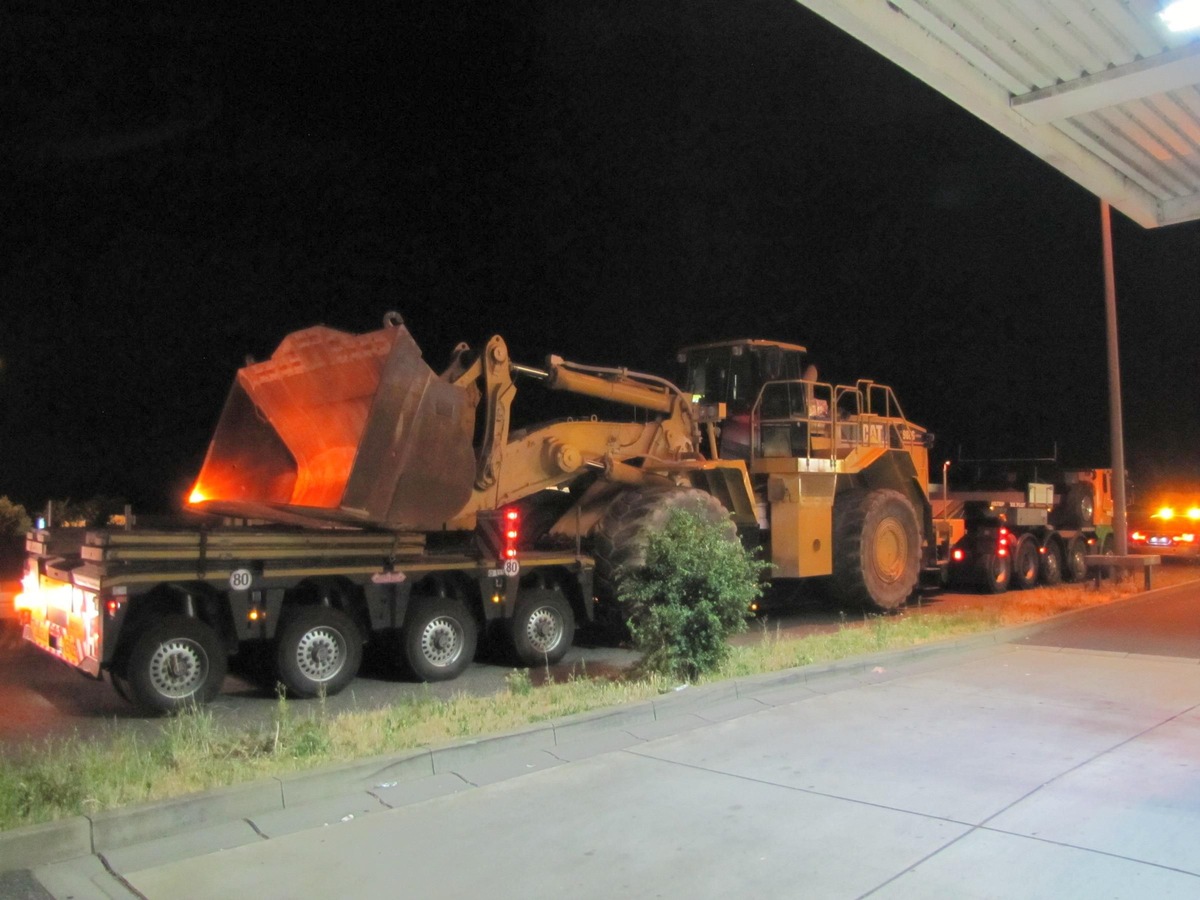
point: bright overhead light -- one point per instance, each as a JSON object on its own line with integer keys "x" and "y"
{"x": 1181, "y": 15}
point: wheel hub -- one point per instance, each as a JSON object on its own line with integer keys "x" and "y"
{"x": 441, "y": 641}
{"x": 891, "y": 550}
{"x": 544, "y": 630}
{"x": 178, "y": 668}
{"x": 321, "y": 653}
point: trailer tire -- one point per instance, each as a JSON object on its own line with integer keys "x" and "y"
{"x": 994, "y": 573}
{"x": 175, "y": 664}
{"x": 317, "y": 648}
{"x": 1025, "y": 563}
{"x": 1050, "y": 564}
{"x": 1108, "y": 548}
{"x": 1074, "y": 563}
{"x": 542, "y": 628}
{"x": 440, "y": 636}
{"x": 876, "y": 548}
{"x": 623, "y": 533}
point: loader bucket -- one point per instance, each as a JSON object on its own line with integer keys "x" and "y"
{"x": 341, "y": 429}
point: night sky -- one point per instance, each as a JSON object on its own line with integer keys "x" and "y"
{"x": 604, "y": 180}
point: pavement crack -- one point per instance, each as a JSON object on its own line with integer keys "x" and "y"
{"x": 262, "y": 834}
{"x": 119, "y": 877}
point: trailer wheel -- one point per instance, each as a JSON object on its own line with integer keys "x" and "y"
{"x": 439, "y": 638}
{"x": 317, "y": 648}
{"x": 623, "y": 535}
{"x": 876, "y": 549}
{"x": 176, "y": 663}
{"x": 1025, "y": 563}
{"x": 1108, "y": 548}
{"x": 1050, "y": 566}
{"x": 1074, "y": 565}
{"x": 542, "y": 627}
{"x": 994, "y": 573}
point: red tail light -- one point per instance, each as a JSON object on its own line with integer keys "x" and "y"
{"x": 512, "y": 532}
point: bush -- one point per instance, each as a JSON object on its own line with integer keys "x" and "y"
{"x": 694, "y": 591}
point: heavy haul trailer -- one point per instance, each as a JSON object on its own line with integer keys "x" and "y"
{"x": 162, "y": 611}
{"x": 1011, "y": 529}
{"x": 398, "y": 484}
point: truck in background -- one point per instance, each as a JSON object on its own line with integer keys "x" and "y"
{"x": 1022, "y": 522}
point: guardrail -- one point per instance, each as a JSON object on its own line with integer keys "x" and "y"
{"x": 1097, "y": 565}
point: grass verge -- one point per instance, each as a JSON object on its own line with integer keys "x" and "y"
{"x": 193, "y": 753}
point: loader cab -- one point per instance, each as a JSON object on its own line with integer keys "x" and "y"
{"x": 733, "y": 372}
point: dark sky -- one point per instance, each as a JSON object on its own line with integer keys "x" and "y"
{"x": 603, "y": 180}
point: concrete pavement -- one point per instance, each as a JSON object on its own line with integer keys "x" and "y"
{"x": 982, "y": 769}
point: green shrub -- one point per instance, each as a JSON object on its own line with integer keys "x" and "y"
{"x": 694, "y": 591}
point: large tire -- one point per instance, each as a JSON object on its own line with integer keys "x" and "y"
{"x": 1078, "y": 507}
{"x": 876, "y": 549}
{"x": 1074, "y": 563}
{"x": 317, "y": 648}
{"x": 994, "y": 573}
{"x": 542, "y": 627}
{"x": 440, "y": 636}
{"x": 175, "y": 664}
{"x": 1025, "y": 563}
{"x": 623, "y": 533}
{"x": 1050, "y": 564}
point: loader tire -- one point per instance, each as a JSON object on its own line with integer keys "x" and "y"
{"x": 176, "y": 664}
{"x": 876, "y": 549}
{"x": 623, "y": 535}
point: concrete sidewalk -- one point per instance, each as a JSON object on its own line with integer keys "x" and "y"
{"x": 981, "y": 770}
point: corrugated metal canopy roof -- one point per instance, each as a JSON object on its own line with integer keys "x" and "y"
{"x": 1099, "y": 89}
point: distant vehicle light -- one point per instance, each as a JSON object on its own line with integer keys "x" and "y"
{"x": 1137, "y": 536}
{"x": 1193, "y": 513}
{"x": 1165, "y": 513}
